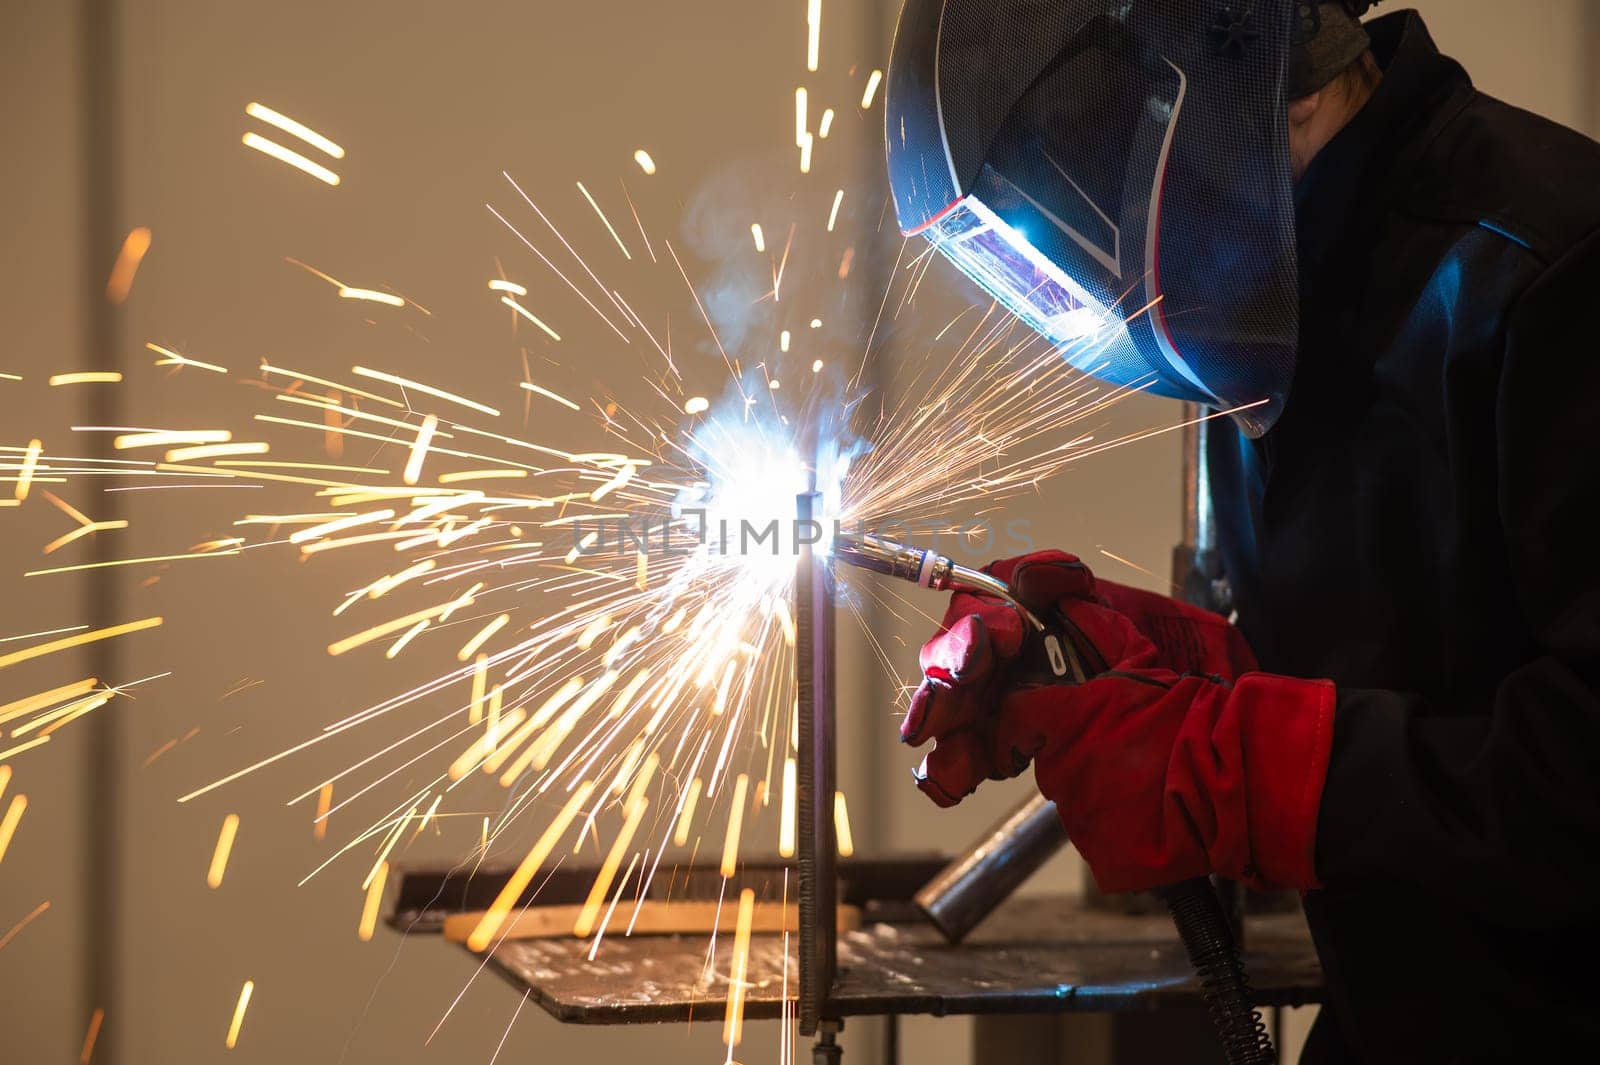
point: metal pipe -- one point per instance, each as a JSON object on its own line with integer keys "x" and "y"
{"x": 973, "y": 885}
{"x": 816, "y": 850}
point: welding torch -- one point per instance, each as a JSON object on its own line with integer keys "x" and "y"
{"x": 959, "y": 897}
{"x": 1061, "y": 662}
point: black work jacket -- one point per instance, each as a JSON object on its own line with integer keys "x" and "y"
{"x": 1420, "y": 527}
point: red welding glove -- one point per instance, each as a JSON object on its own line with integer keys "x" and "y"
{"x": 1172, "y": 763}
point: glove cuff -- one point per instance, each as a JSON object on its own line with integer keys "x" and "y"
{"x": 1286, "y": 729}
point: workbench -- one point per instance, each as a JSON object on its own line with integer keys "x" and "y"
{"x": 1033, "y": 955}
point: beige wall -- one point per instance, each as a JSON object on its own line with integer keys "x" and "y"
{"x": 432, "y": 101}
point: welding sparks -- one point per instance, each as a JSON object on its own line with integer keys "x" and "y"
{"x": 786, "y": 811}
{"x": 608, "y": 869}
{"x": 417, "y": 386}
{"x": 841, "y": 826}
{"x": 120, "y": 283}
{"x": 238, "y": 1013}
{"x": 173, "y": 358}
{"x": 738, "y": 982}
{"x": 825, "y": 124}
{"x": 293, "y": 158}
{"x": 484, "y": 932}
{"x": 16, "y": 929}
{"x": 77, "y": 640}
{"x": 833, "y": 215}
{"x": 800, "y": 134}
{"x": 873, "y": 81}
{"x": 547, "y": 394}
{"x": 758, "y": 236}
{"x": 697, "y": 405}
{"x": 294, "y": 129}
{"x": 30, "y": 463}
{"x": 530, "y": 316}
{"x": 319, "y": 822}
{"x": 647, "y": 164}
{"x": 482, "y": 637}
{"x": 609, "y": 229}
{"x": 86, "y": 377}
{"x": 219, "y": 856}
{"x": 8, "y": 825}
{"x": 371, "y": 295}
{"x": 90, "y": 1037}
{"x": 419, "y": 449}
{"x": 730, "y": 844}
{"x": 373, "y": 902}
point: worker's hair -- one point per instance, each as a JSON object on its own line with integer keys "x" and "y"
{"x": 1360, "y": 78}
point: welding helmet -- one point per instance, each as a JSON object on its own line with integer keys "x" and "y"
{"x": 1116, "y": 173}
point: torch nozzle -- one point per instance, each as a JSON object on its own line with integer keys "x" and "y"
{"x": 928, "y": 569}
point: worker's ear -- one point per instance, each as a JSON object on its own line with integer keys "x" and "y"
{"x": 1303, "y": 110}
{"x": 1303, "y": 141}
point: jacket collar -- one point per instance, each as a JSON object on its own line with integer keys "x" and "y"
{"x": 1361, "y": 170}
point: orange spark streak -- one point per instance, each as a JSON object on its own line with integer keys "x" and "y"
{"x": 170, "y": 438}
{"x": 38, "y": 650}
{"x": 733, "y": 1022}
{"x": 8, "y": 825}
{"x": 607, "y": 221}
{"x": 608, "y": 870}
{"x": 437, "y": 393}
{"x": 238, "y": 1013}
{"x": 30, "y": 462}
{"x": 294, "y": 129}
{"x": 219, "y": 857}
{"x": 83, "y": 530}
{"x": 470, "y": 648}
{"x": 813, "y": 33}
{"x": 217, "y": 451}
{"x": 873, "y": 81}
{"x": 293, "y": 158}
{"x": 484, "y": 932}
{"x": 480, "y": 685}
{"x": 86, "y": 377}
{"x": 38, "y": 910}
{"x": 531, "y": 387}
{"x": 120, "y": 283}
{"x": 841, "y": 826}
{"x": 530, "y": 316}
{"x": 377, "y": 632}
{"x": 786, "y": 814}
{"x": 91, "y": 1036}
{"x": 125, "y": 562}
{"x": 19, "y": 748}
{"x": 419, "y": 449}
{"x": 369, "y": 909}
{"x": 730, "y": 843}
{"x": 317, "y": 532}
{"x": 680, "y": 835}
{"x": 173, "y": 358}
{"x": 319, "y": 823}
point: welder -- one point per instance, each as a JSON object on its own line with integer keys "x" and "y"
{"x": 1389, "y": 279}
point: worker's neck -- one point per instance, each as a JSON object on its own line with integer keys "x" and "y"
{"x": 1316, "y": 119}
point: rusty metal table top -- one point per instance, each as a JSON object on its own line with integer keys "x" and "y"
{"x": 1034, "y": 955}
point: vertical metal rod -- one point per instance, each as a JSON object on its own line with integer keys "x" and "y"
{"x": 99, "y": 56}
{"x": 814, "y": 779}
{"x": 1196, "y": 568}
